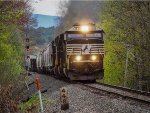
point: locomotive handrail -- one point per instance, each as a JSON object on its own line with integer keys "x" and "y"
{"x": 98, "y": 50}
{"x": 73, "y": 51}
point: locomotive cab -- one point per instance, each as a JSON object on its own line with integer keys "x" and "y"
{"x": 85, "y": 52}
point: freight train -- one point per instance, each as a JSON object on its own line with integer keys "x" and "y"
{"x": 76, "y": 54}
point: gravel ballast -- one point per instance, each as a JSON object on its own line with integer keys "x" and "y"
{"x": 82, "y": 100}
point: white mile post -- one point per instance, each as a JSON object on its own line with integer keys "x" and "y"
{"x": 40, "y": 98}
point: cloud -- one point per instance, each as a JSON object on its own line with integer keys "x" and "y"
{"x": 46, "y": 7}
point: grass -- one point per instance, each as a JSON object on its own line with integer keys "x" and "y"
{"x": 33, "y": 105}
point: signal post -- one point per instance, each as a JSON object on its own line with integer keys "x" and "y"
{"x": 27, "y": 59}
{"x": 27, "y": 55}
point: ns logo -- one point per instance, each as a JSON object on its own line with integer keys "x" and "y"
{"x": 86, "y": 48}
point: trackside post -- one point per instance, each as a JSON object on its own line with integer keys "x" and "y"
{"x": 64, "y": 98}
{"x": 40, "y": 97}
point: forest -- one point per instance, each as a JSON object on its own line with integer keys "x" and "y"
{"x": 127, "y": 28}
{"x": 127, "y": 43}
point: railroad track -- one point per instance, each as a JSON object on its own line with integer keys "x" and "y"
{"x": 117, "y": 90}
{"x": 137, "y": 95}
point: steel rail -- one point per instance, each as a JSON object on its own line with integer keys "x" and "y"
{"x": 117, "y": 90}
{"x": 120, "y": 91}
{"x": 126, "y": 89}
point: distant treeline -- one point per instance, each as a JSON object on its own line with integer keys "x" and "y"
{"x": 41, "y": 35}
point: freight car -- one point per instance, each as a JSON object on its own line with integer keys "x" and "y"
{"x": 31, "y": 63}
{"x": 76, "y": 54}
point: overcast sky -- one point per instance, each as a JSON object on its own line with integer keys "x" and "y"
{"x": 46, "y": 7}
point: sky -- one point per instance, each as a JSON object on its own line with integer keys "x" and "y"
{"x": 46, "y": 7}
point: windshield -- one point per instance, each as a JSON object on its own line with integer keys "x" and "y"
{"x": 84, "y": 41}
{"x": 94, "y": 35}
{"x": 84, "y": 38}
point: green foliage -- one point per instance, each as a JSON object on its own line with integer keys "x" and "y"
{"x": 14, "y": 17}
{"x": 126, "y": 22}
{"x": 34, "y": 101}
{"x": 11, "y": 57}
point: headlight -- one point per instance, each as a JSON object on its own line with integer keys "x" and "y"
{"x": 93, "y": 57}
{"x": 78, "y": 58}
{"x": 84, "y": 28}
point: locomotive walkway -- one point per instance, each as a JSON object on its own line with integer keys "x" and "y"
{"x": 82, "y": 99}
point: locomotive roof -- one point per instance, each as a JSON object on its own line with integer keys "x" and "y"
{"x": 76, "y": 29}
{"x": 89, "y": 32}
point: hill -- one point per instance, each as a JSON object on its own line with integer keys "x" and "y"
{"x": 46, "y": 20}
{"x": 41, "y": 35}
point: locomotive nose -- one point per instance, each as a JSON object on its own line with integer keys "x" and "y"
{"x": 88, "y": 69}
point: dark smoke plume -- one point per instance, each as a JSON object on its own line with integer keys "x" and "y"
{"x": 77, "y": 12}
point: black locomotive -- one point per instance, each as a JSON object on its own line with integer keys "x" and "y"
{"x": 76, "y": 54}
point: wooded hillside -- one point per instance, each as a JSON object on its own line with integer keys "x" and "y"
{"x": 127, "y": 28}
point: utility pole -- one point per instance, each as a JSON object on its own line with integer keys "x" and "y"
{"x": 128, "y": 46}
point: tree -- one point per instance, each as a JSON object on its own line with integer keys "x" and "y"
{"x": 14, "y": 16}
{"x": 126, "y": 22}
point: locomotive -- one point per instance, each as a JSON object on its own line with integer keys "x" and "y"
{"x": 76, "y": 54}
